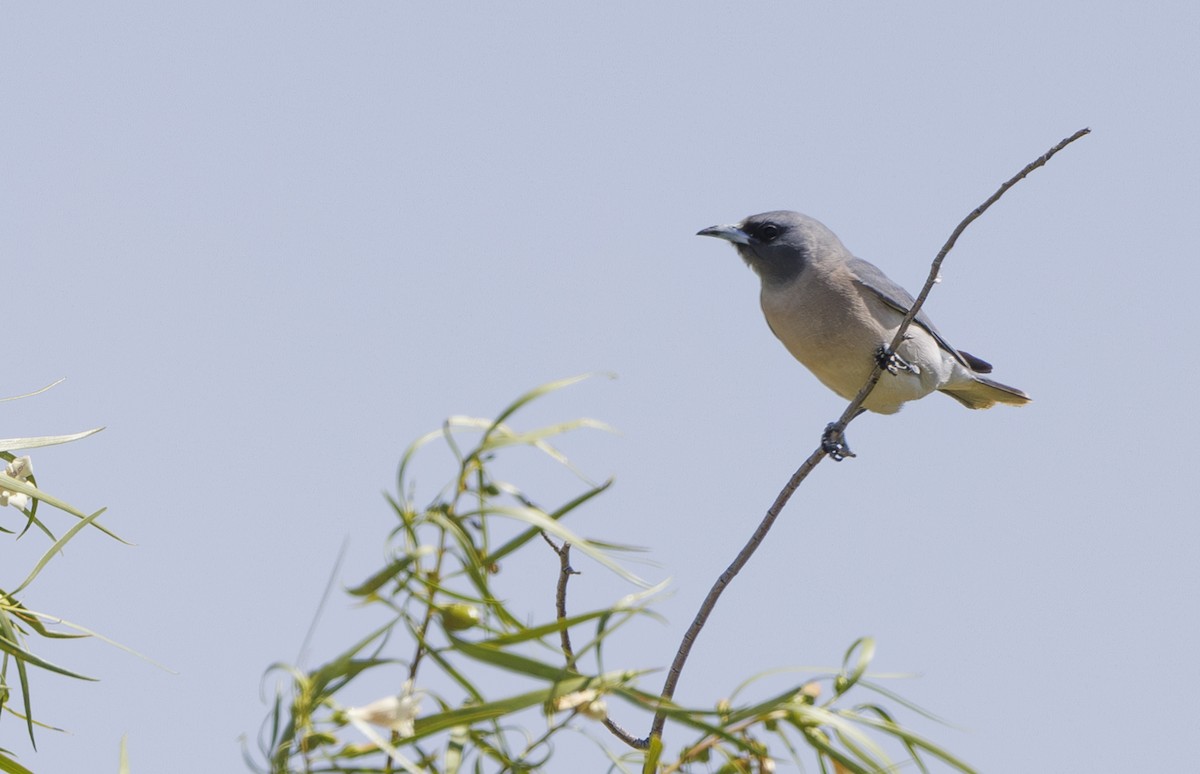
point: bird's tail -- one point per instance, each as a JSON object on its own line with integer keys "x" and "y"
{"x": 984, "y": 393}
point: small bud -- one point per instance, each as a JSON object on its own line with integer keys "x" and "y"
{"x": 817, "y": 734}
{"x": 318, "y": 739}
{"x": 459, "y": 616}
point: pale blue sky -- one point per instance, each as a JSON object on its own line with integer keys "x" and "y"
{"x": 264, "y": 239}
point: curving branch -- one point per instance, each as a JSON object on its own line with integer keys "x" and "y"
{"x": 836, "y": 431}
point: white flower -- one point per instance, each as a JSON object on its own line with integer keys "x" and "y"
{"x": 587, "y": 702}
{"x": 395, "y": 713}
{"x": 18, "y": 500}
{"x": 21, "y": 468}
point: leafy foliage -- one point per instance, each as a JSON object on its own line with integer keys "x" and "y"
{"x": 19, "y": 491}
{"x": 448, "y": 626}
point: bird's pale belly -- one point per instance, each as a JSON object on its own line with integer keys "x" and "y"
{"x": 840, "y": 347}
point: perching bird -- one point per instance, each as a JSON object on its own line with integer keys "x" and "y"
{"x": 837, "y": 314}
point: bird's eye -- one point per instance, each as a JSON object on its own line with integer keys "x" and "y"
{"x": 768, "y": 232}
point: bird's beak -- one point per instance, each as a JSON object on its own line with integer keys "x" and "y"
{"x": 729, "y": 233}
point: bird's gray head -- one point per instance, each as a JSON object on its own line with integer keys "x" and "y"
{"x": 778, "y": 245}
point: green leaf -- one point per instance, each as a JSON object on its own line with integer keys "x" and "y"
{"x": 865, "y": 647}
{"x": 378, "y": 579}
{"x": 872, "y": 686}
{"x": 508, "y": 661}
{"x": 542, "y": 521}
{"x": 9, "y": 444}
{"x": 9, "y": 766}
{"x": 16, "y": 485}
{"x": 506, "y": 436}
{"x": 537, "y": 632}
{"x": 478, "y": 713}
{"x": 782, "y": 701}
{"x": 653, "y": 754}
{"x": 474, "y": 714}
{"x": 912, "y": 749}
{"x": 818, "y": 741}
{"x": 853, "y": 737}
{"x": 54, "y": 549}
{"x": 867, "y": 756}
{"x": 472, "y": 564}
{"x": 38, "y": 391}
{"x": 455, "y": 675}
{"x": 918, "y": 741}
{"x": 9, "y": 633}
{"x": 25, "y": 657}
{"x": 410, "y": 452}
{"x": 345, "y": 667}
{"x": 536, "y": 393}
{"x": 529, "y": 534}
{"x": 503, "y": 435}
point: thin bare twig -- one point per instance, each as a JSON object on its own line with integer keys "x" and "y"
{"x": 565, "y": 571}
{"x": 852, "y": 410}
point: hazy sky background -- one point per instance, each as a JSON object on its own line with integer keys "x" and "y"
{"x": 271, "y": 243}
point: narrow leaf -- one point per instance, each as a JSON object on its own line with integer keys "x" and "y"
{"x": 527, "y": 535}
{"x": 57, "y": 547}
{"x": 9, "y": 444}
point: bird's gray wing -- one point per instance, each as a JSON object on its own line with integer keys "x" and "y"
{"x": 870, "y": 277}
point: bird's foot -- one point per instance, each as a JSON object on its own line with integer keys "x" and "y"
{"x": 833, "y": 442}
{"x": 893, "y": 363}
